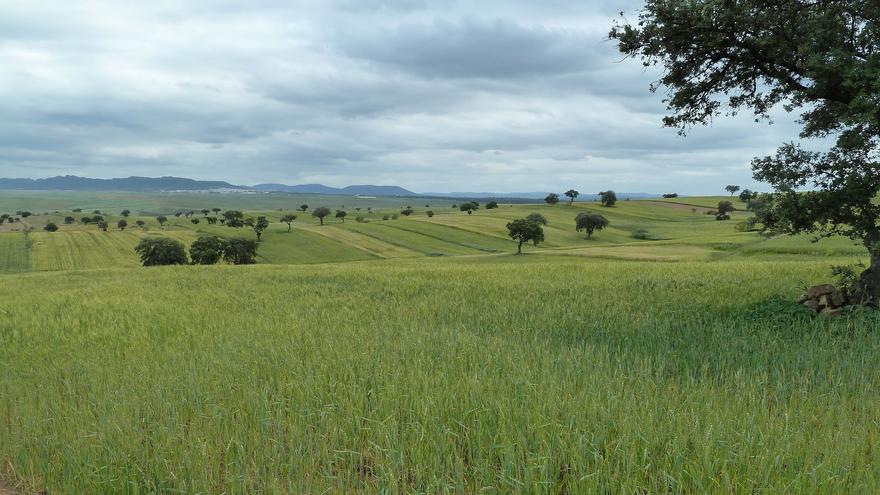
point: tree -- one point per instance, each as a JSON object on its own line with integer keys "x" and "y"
{"x": 207, "y": 250}
{"x": 258, "y": 225}
{"x": 747, "y": 195}
{"x": 240, "y": 251}
{"x": 303, "y": 208}
{"x": 140, "y": 223}
{"x": 155, "y": 251}
{"x": 321, "y": 212}
{"x": 590, "y": 222}
{"x": 341, "y": 214}
{"x": 469, "y": 207}
{"x": 161, "y": 219}
{"x": 430, "y": 213}
{"x": 491, "y": 205}
{"x": 103, "y": 225}
{"x": 126, "y": 213}
{"x": 552, "y": 199}
{"x": 537, "y": 218}
{"x": 50, "y": 227}
{"x": 67, "y": 220}
{"x": 216, "y": 211}
{"x": 288, "y": 219}
{"x": 571, "y": 193}
{"x": 608, "y": 198}
{"x": 195, "y": 221}
{"x": 407, "y": 211}
{"x": 725, "y": 208}
{"x": 232, "y": 216}
{"x": 177, "y": 214}
{"x": 523, "y": 231}
{"x": 731, "y": 188}
{"x": 122, "y": 224}
{"x": 819, "y": 58}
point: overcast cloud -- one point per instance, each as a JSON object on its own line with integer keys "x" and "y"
{"x": 431, "y": 95}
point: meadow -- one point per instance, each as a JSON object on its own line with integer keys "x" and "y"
{"x": 420, "y": 355}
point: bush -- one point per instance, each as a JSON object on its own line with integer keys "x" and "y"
{"x": 50, "y": 227}
{"x": 429, "y": 213}
{"x": 395, "y": 216}
{"x": 491, "y": 205}
{"x": 157, "y": 251}
{"x": 207, "y": 250}
{"x": 641, "y": 234}
{"x": 69, "y": 220}
{"x": 385, "y": 217}
{"x": 407, "y": 211}
{"x": 240, "y": 251}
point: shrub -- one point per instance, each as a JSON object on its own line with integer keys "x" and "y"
{"x": 429, "y": 213}
{"x": 156, "y": 251}
{"x": 385, "y": 217}
{"x": 50, "y": 227}
{"x": 491, "y": 205}
{"x": 590, "y": 222}
{"x": 395, "y": 216}
{"x": 407, "y": 211}
{"x": 69, "y": 220}
{"x": 122, "y": 224}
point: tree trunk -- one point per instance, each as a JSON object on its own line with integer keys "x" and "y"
{"x": 519, "y": 248}
{"x": 869, "y": 283}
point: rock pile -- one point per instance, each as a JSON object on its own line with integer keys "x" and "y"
{"x": 825, "y": 299}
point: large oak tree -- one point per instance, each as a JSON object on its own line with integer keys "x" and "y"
{"x": 818, "y": 58}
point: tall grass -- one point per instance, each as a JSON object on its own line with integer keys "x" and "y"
{"x": 499, "y": 374}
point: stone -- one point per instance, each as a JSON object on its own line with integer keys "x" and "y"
{"x": 825, "y": 301}
{"x": 816, "y": 291}
{"x": 831, "y": 312}
{"x": 803, "y": 298}
{"x": 812, "y": 304}
{"x": 838, "y": 298}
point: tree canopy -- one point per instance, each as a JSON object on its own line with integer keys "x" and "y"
{"x": 155, "y": 251}
{"x": 590, "y": 222}
{"x": 320, "y": 213}
{"x": 818, "y": 58}
{"x": 523, "y": 230}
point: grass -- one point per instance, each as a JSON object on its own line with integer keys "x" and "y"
{"x": 352, "y": 359}
{"x": 435, "y": 376}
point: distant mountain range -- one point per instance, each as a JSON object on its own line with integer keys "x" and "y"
{"x": 170, "y": 184}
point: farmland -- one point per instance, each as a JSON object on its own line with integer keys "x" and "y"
{"x": 421, "y": 355}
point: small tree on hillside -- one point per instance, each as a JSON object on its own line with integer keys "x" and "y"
{"x": 288, "y": 219}
{"x": 155, "y": 251}
{"x": 67, "y": 220}
{"x": 491, "y": 205}
{"x": 523, "y": 231}
{"x": 320, "y": 213}
{"x": 50, "y": 227}
{"x": 303, "y": 208}
{"x": 537, "y": 218}
{"x": 430, "y": 213}
{"x": 341, "y": 214}
{"x": 590, "y": 222}
{"x": 469, "y": 207}
{"x": 103, "y": 225}
{"x": 126, "y": 213}
{"x": 258, "y": 226}
{"x": 747, "y": 195}
{"x": 216, "y": 211}
{"x": 122, "y": 224}
{"x": 725, "y": 208}
{"x": 207, "y": 250}
{"x": 552, "y": 199}
{"x": 140, "y": 223}
{"x": 161, "y": 219}
{"x": 731, "y": 188}
{"x": 571, "y": 193}
{"x": 240, "y": 251}
{"x": 195, "y": 221}
{"x": 407, "y": 211}
{"x": 608, "y": 198}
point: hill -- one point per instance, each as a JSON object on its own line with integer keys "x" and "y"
{"x": 366, "y": 189}
{"x": 137, "y": 184}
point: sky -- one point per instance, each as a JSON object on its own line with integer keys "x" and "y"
{"x": 434, "y": 96}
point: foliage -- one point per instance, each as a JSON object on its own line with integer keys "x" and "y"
{"x": 572, "y": 194}
{"x": 537, "y": 218}
{"x": 207, "y": 250}
{"x": 51, "y": 227}
{"x": 258, "y": 225}
{"x": 320, "y": 213}
{"x": 288, "y": 219}
{"x": 731, "y": 188}
{"x": 552, "y": 199}
{"x": 341, "y": 214}
{"x": 469, "y": 207}
{"x": 608, "y": 198}
{"x": 430, "y": 213}
{"x": 122, "y": 224}
{"x": 747, "y": 195}
{"x": 407, "y": 211}
{"x": 491, "y": 205}
{"x": 161, "y": 219}
{"x": 240, "y": 251}
{"x": 523, "y": 230}
{"x": 590, "y": 222}
{"x": 156, "y": 251}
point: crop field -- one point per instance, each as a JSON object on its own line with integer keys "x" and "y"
{"x": 420, "y": 355}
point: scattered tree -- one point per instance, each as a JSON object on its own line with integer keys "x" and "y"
{"x": 320, "y": 213}
{"x": 288, "y": 219}
{"x": 491, "y": 205}
{"x": 258, "y": 226}
{"x": 571, "y": 193}
{"x": 303, "y": 208}
{"x": 240, "y": 251}
{"x": 523, "y": 231}
{"x": 608, "y": 198}
{"x": 140, "y": 223}
{"x": 50, "y": 227}
{"x": 731, "y": 188}
{"x": 211, "y": 220}
{"x": 429, "y": 213}
{"x": 552, "y": 199}
{"x": 126, "y": 213}
{"x": 747, "y": 195}
{"x": 216, "y": 211}
{"x": 341, "y": 214}
{"x": 161, "y": 219}
{"x": 537, "y": 218}
{"x": 67, "y": 220}
{"x": 122, "y": 224}
{"x": 205, "y": 212}
{"x": 469, "y": 207}
{"x": 725, "y": 208}
{"x": 590, "y": 222}
{"x": 103, "y": 225}
{"x": 195, "y": 221}
{"x": 155, "y": 251}
{"x": 207, "y": 250}
{"x": 670, "y": 195}
{"x": 407, "y": 211}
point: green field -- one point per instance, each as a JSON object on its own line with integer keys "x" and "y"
{"x": 420, "y": 355}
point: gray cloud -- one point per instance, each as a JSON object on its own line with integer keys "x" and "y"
{"x": 430, "y": 94}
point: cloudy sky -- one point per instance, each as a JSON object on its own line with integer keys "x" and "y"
{"x": 431, "y": 95}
